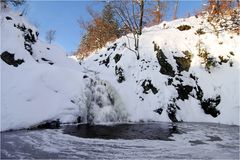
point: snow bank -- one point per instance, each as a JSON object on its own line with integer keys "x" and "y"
{"x": 38, "y": 81}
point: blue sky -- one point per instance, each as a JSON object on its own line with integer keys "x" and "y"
{"x": 62, "y": 16}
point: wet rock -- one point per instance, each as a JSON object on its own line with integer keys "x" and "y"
{"x": 79, "y": 119}
{"x": 55, "y": 124}
{"x": 171, "y": 111}
{"x": 147, "y": 85}
{"x": 10, "y": 60}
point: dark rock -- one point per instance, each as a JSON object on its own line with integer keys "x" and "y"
{"x": 183, "y": 63}
{"x": 183, "y": 91}
{"x": 20, "y": 27}
{"x": 119, "y": 74}
{"x": 50, "y": 125}
{"x": 179, "y": 79}
{"x": 141, "y": 98}
{"x": 117, "y": 57}
{"x": 231, "y": 53}
{"x": 193, "y": 77}
{"x": 48, "y": 48}
{"x": 9, "y": 59}
{"x": 166, "y": 68}
{"x": 171, "y": 111}
{"x": 105, "y": 61}
{"x": 79, "y": 119}
{"x": 29, "y": 36}
{"x": 184, "y": 27}
{"x": 159, "y": 110}
{"x": 200, "y": 31}
{"x": 37, "y": 34}
{"x": 85, "y": 76}
{"x": 8, "y": 18}
{"x": 112, "y": 47}
{"x": 223, "y": 60}
{"x": 170, "y": 81}
{"x": 209, "y": 106}
{"x": 28, "y": 47}
{"x": 147, "y": 85}
{"x": 46, "y": 60}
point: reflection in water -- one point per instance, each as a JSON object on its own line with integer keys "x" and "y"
{"x": 153, "y": 131}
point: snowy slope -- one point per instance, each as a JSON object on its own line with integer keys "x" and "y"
{"x": 40, "y": 84}
{"x": 161, "y": 86}
{"x": 38, "y": 81}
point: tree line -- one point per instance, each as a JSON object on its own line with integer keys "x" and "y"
{"x": 118, "y": 18}
{"x": 121, "y": 17}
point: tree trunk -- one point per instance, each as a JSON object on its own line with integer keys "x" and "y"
{"x": 175, "y": 10}
{"x": 141, "y": 16}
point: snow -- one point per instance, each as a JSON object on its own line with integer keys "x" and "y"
{"x": 36, "y": 92}
{"x": 48, "y": 85}
{"x": 194, "y": 143}
{"x": 223, "y": 79}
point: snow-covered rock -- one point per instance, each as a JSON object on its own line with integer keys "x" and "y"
{"x": 40, "y": 84}
{"x": 172, "y": 80}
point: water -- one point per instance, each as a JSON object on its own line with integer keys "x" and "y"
{"x": 125, "y": 141}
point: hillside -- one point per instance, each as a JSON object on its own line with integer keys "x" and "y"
{"x": 169, "y": 83}
{"x": 185, "y": 72}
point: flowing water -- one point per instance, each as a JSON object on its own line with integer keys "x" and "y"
{"x": 124, "y": 141}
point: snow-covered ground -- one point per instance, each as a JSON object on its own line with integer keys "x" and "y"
{"x": 160, "y": 80}
{"x": 199, "y": 141}
{"x": 40, "y": 83}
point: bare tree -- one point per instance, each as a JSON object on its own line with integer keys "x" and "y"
{"x": 175, "y": 9}
{"x": 131, "y": 15}
{"x": 50, "y": 36}
{"x": 156, "y": 11}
